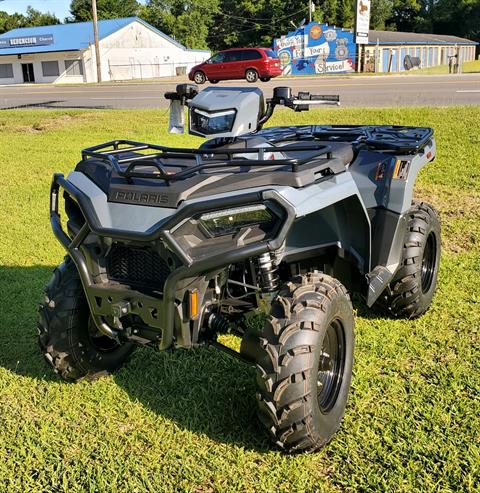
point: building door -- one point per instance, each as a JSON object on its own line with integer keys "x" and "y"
{"x": 394, "y": 62}
{"x": 386, "y": 59}
{"x": 424, "y": 58}
{"x": 403, "y": 54}
{"x": 28, "y": 74}
{"x": 430, "y": 57}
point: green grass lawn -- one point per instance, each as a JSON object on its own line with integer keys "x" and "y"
{"x": 185, "y": 420}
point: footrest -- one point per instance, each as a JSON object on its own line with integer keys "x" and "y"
{"x": 378, "y": 280}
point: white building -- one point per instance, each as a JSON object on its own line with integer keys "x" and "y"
{"x": 386, "y": 50}
{"x": 130, "y": 48}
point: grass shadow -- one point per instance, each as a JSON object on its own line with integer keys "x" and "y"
{"x": 363, "y": 311}
{"x": 202, "y": 390}
{"x": 20, "y": 293}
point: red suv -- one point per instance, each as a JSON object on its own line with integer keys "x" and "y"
{"x": 238, "y": 63}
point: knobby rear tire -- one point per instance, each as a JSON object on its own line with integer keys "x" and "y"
{"x": 413, "y": 287}
{"x": 289, "y": 359}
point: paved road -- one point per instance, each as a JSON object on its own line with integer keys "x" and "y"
{"x": 388, "y": 91}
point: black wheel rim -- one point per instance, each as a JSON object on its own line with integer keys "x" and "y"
{"x": 101, "y": 342}
{"x": 331, "y": 366}
{"x": 428, "y": 263}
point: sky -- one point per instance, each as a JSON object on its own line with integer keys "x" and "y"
{"x": 58, "y": 7}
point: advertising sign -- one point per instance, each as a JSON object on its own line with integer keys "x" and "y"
{"x": 362, "y": 22}
{"x": 316, "y": 49}
{"x": 27, "y": 41}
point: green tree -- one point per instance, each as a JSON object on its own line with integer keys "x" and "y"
{"x": 406, "y": 14}
{"x": 342, "y": 12}
{"x": 381, "y": 12}
{"x": 32, "y": 18}
{"x": 456, "y": 17}
{"x": 188, "y": 21}
{"x": 81, "y": 10}
{"x": 327, "y": 11}
{"x": 254, "y": 23}
{"x": 36, "y": 18}
{"x": 471, "y": 14}
{"x": 225, "y": 23}
{"x": 10, "y": 21}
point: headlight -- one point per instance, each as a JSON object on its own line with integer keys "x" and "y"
{"x": 215, "y": 232}
{"x": 206, "y": 123}
{"x": 230, "y": 221}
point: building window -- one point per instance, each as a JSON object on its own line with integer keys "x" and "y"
{"x": 73, "y": 67}
{"x": 6, "y": 71}
{"x": 50, "y": 69}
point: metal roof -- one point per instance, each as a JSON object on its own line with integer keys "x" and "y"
{"x": 74, "y": 36}
{"x": 395, "y": 37}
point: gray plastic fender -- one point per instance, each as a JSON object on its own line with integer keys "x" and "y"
{"x": 330, "y": 212}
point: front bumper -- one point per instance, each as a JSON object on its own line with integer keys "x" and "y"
{"x": 159, "y": 313}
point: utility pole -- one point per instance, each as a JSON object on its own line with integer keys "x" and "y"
{"x": 95, "y": 35}
{"x": 310, "y": 10}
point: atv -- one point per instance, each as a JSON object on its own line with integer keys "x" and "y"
{"x": 171, "y": 247}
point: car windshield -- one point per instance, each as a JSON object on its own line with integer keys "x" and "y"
{"x": 219, "y": 57}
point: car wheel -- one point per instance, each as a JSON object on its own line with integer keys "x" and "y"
{"x": 265, "y": 79}
{"x": 199, "y": 78}
{"x": 251, "y": 75}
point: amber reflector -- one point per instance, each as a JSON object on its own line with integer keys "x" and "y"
{"x": 193, "y": 304}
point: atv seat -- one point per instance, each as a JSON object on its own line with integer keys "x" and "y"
{"x": 339, "y": 150}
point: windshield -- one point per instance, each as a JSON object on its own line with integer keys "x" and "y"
{"x": 217, "y": 58}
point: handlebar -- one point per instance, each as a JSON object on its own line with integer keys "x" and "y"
{"x": 281, "y": 96}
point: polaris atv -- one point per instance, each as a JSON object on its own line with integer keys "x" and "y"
{"x": 172, "y": 247}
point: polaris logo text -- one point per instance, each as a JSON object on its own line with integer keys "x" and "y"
{"x": 142, "y": 197}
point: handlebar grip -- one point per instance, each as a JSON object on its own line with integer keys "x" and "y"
{"x": 332, "y": 98}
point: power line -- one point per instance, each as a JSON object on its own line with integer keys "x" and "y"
{"x": 253, "y": 20}
{"x": 257, "y": 26}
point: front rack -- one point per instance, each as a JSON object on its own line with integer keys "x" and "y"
{"x": 127, "y": 152}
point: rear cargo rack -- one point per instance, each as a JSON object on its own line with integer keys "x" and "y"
{"x": 134, "y": 154}
{"x": 387, "y": 138}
